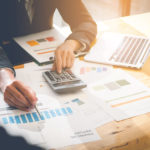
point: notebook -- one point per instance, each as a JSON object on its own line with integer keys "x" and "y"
{"x": 120, "y": 50}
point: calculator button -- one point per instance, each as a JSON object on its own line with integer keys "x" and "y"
{"x": 50, "y": 76}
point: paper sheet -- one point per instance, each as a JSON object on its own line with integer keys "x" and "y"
{"x": 42, "y": 45}
{"x": 58, "y": 125}
{"x": 123, "y": 95}
{"x": 85, "y": 103}
{"x": 90, "y": 72}
{"x": 32, "y": 76}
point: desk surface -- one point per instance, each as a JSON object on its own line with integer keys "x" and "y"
{"x": 133, "y": 133}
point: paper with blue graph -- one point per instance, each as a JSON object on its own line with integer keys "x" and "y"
{"x": 58, "y": 125}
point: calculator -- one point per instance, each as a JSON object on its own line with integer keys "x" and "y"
{"x": 64, "y": 82}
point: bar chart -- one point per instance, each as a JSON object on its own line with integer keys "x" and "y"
{"x": 86, "y": 69}
{"x": 35, "y": 117}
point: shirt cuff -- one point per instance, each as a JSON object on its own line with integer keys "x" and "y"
{"x": 12, "y": 70}
{"x": 82, "y": 50}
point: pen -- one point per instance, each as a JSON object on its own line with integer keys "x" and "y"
{"x": 35, "y": 107}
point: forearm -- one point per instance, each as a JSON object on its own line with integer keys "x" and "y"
{"x": 83, "y": 27}
{"x": 74, "y": 44}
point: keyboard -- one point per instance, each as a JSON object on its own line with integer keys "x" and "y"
{"x": 118, "y": 49}
{"x": 130, "y": 50}
{"x": 64, "y": 82}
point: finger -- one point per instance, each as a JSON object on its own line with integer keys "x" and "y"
{"x": 13, "y": 100}
{"x": 72, "y": 61}
{"x": 64, "y": 57}
{"x": 18, "y": 96}
{"x": 69, "y": 61}
{"x": 53, "y": 67}
{"x": 9, "y": 102}
{"x": 58, "y": 62}
{"x": 27, "y": 92}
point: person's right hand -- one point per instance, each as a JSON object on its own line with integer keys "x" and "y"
{"x": 20, "y": 96}
{"x": 16, "y": 94}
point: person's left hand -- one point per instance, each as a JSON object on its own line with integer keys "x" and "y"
{"x": 64, "y": 55}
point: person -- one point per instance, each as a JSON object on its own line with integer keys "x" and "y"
{"x": 21, "y": 17}
{"x": 15, "y": 142}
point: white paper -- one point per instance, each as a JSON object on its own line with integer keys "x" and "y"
{"x": 123, "y": 95}
{"x": 90, "y": 72}
{"x": 59, "y": 126}
{"x": 85, "y": 103}
{"x": 42, "y": 45}
{"x": 32, "y": 76}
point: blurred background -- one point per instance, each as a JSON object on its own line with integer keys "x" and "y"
{"x": 109, "y": 9}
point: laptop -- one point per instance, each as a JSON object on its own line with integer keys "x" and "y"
{"x": 120, "y": 49}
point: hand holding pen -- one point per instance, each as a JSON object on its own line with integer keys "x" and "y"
{"x": 20, "y": 96}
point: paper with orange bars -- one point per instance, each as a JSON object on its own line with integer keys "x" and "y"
{"x": 41, "y": 46}
{"x": 121, "y": 95}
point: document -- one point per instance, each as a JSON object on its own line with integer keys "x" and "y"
{"x": 121, "y": 95}
{"x": 41, "y": 46}
{"x": 81, "y": 100}
{"x": 57, "y": 126}
{"x": 5, "y": 109}
{"x": 90, "y": 72}
{"x": 84, "y": 102}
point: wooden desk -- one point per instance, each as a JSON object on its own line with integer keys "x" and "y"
{"x": 129, "y": 134}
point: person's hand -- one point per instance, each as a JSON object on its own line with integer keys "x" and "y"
{"x": 64, "y": 55}
{"x": 20, "y": 96}
{"x": 16, "y": 94}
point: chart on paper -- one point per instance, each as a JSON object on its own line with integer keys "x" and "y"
{"x": 84, "y": 102}
{"x": 41, "y": 45}
{"x": 90, "y": 72}
{"x": 57, "y": 125}
{"x": 122, "y": 93}
{"x": 34, "y": 116}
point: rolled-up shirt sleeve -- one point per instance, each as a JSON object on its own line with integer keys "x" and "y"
{"x": 83, "y": 27}
{"x": 4, "y": 61}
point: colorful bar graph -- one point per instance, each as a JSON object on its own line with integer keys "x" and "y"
{"x": 34, "y": 117}
{"x": 17, "y": 119}
{"x": 64, "y": 111}
{"x": 11, "y": 120}
{"x": 69, "y": 110}
{"x": 78, "y": 101}
{"x": 24, "y": 120}
{"x": 5, "y": 121}
{"x": 29, "y": 117}
{"x": 42, "y": 116}
{"x": 47, "y": 114}
{"x": 58, "y": 112}
{"x": 52, "y": 112}
{"x": 84, "y": 70}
